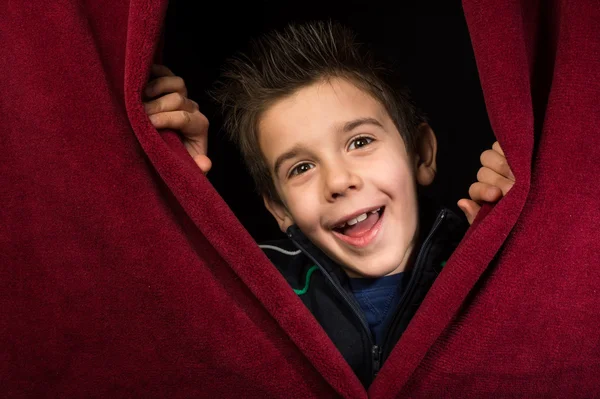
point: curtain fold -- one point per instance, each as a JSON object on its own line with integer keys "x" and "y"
{"x": 124, "y": 274}
{"x": 515, "y": 311}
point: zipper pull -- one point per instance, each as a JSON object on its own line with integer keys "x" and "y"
{"x": 376, "y": 358}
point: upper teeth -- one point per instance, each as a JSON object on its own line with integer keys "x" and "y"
{"x": 359, "y": 218}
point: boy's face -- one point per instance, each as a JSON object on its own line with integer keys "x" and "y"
{"x": 344, "y": 175}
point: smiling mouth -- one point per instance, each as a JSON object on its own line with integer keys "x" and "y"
{"x": 362, "y": 229}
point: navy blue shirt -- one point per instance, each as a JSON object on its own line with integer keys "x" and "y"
{"x": 378, "y": 299}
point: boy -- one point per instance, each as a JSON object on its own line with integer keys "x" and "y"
{"x": 337, "y": 156}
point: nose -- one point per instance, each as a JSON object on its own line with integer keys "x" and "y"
{"x": 340, "y": 180}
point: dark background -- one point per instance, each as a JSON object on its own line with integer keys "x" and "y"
{"x": 427, "y": 42}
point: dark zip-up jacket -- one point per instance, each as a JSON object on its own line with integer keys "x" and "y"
{"x": 323, "y": 287}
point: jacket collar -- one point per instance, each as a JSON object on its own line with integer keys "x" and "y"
{"x": 445, "y": 223}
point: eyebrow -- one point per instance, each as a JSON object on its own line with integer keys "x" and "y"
{"x": 347, "y": 127}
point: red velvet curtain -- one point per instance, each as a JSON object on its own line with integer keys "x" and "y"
{"x": 124, "y": 274}
{"x": 515, "y": 313}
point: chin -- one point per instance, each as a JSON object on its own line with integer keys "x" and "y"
{"x": 376, "y": 272}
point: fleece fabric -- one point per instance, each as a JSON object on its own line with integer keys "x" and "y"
{"x": 124, "y": 274}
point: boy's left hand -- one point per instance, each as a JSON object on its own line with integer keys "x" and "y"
{"x": 494, "y": 180}
{"x": 168, "y": 107}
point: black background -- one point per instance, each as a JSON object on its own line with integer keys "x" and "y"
{"x": 427, "y": 42}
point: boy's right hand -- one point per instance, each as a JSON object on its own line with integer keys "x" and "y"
{"x": 494, "y": 180}
{"x": 168, "y": 107}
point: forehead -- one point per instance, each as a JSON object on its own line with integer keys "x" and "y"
{"x": 313, "y": 113}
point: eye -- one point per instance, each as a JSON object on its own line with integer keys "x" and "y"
{"x": 302, "y": 168}
{"x": 359, "y": 142}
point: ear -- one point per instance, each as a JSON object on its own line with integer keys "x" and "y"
{"x": 279, "y": 212}
{"x": 425, "y": 159}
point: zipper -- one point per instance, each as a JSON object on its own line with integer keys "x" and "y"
{"x": 385, "y": 350}
{"x": 375, "y": 350}
{"x": 375, "y": 360}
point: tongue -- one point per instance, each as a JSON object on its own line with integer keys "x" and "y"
{"x": 361, "y": 228}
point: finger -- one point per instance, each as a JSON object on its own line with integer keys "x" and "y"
{"x": 490, "y": 177}
{"x": 176, "y": 120}
{"x": 197, "y": 148}
{"x": 481, "y": 192}
{"x": 170, "y": 102}
{"x": 496, "y": 147}
{"x": 165, "y": 84}
{"x": 193, "y": 125}
{"x": 160, "y": 70}
{"x": 497, "y": 163}
{"x": 196, "y": 141}
{"x": 469, "y": 208}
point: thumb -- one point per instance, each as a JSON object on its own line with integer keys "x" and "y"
{"x": 203, "y": 162}
{"x": 470, "y": 208}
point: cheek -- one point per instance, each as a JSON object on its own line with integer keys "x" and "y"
{"x": 395, "y": 177}
{"x": 303, "y": 209}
